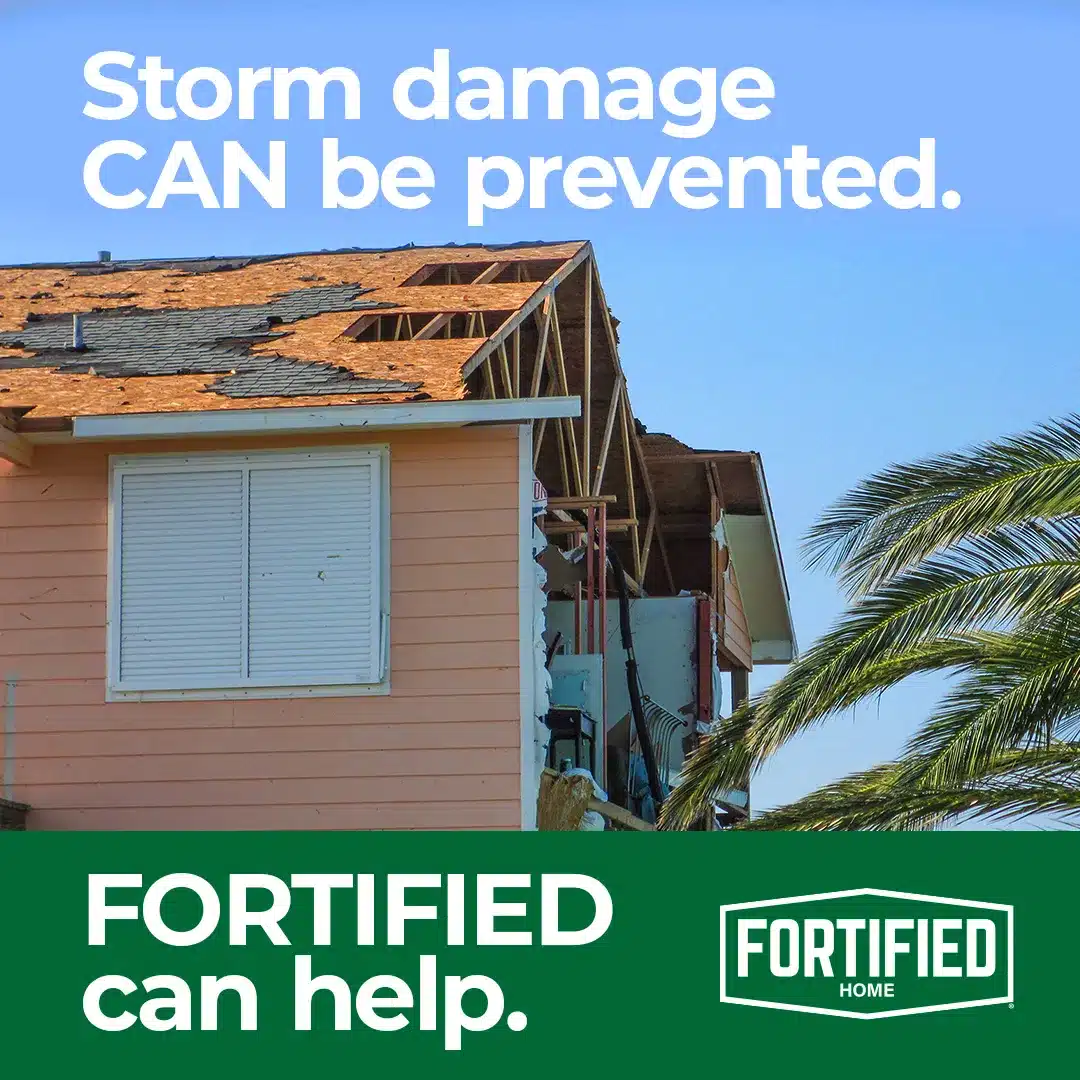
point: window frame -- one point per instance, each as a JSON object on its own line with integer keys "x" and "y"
{"x": 224, "y": 460}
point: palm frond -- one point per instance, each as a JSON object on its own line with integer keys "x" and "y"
{"x": 1015, "y": 786}
{"x": 725, "y": 760}
{"x": 1025, "y": 692}
{"x": 906, "y": 513}
{"x": 966, "y": 563}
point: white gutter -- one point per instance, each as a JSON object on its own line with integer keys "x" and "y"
{"x": 288, "y": 420}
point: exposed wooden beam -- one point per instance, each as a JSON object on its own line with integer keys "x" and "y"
{"x": 365, "y": 322}
{"x": 492, "y": 272}
{"x": 646, "y": 547}
{"x": 571, "y": 502}
{"x": 432, "y": 327}
{"x": 504, "y": 369}
{"x": 586, "y": 403}
{"x": 563, "y": 528}
{"x": 541, "y": 428}
{"x": 526, "y": 309}
{"x": 563, "y": 462}
{"x": 646, "y": 479}
{"x": 628, "y": 462}
{"x": 489, "y": 379}
{"x": 609, "y": 429}
{"x": 516, "y": 349}
{"x": 705, "y": 457}
{"x": 568, "y": 425}
{"x": 714, "y": 472}
{"x": 538, "y": 440}
{"x": 424, "y": 273}
{"x": 13, "y": 447}
{"x": 541, "y": 347}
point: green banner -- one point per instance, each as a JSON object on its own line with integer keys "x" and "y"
{"x": 280, "y": 955}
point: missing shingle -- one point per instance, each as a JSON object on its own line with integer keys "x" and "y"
{"x": 124, "y": 342}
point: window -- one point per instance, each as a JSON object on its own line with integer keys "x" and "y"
{"x": 244, "y": 573}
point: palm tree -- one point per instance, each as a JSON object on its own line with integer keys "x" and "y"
{"x": 966, "y": 563}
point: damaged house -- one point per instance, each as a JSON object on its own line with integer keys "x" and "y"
{"x": 357, "y": 539}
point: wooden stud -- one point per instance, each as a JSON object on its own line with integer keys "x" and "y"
{"x": 538, "y": 440}
{"x": 646, "y": 479}
{"x": 609, "y": 428}
{"x": 541, "y": 348}
{"x": 504, "y": 369}
{"x": 365, "y": 322}
{"x": 571, "y": 502}
{"x": 705, "y": 457}
{"x": 516, "y": 348}
{"x": 562, "y": 528}
{"x": 646, "y": 547}
{"x": 635, "y": 535}
{"x": 586, "y": 412}
{"x": 560, "y": 363}
{"x": 563, "y": 461}
{"x": 432, "y": 327}
{"x": 492, "y": 272}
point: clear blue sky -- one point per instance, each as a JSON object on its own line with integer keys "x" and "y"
{"x": 832, "y": 342}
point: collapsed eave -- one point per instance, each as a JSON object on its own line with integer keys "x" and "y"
{"x": 684, "y": 478}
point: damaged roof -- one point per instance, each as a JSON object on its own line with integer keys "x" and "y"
{"x": 343, "y": 327}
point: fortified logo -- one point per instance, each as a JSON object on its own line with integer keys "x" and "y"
{"x": 866, "y": 953}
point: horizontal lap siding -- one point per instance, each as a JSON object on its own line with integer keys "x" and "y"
{"x": 441, "y": 751}
{"x": 736, "y": 632}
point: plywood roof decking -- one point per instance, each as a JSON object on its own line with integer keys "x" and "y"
{"x": 287, "y": 356}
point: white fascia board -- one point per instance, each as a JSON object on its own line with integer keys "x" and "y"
{"x": 766, "y": 502}
{"x": 773, "y": 652}
{"x": 288, "y": 420}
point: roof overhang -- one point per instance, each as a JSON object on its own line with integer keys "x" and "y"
{"x": 284, "y": 420}
{"x": 755, "y": 554}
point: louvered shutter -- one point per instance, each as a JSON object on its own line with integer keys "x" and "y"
{"x": 181, "y": 578}
{"x": 314, "y": 609}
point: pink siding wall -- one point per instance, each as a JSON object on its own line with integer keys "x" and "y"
{"x": 441, "y": 751}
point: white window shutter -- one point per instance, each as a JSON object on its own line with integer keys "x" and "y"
{"x": 314, "y": 610}
{"x": 181, "y": 578}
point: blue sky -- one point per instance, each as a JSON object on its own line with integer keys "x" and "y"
{"x": 833, "y": 342}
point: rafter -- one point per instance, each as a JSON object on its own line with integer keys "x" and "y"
{"x": 586, "y": 410}
{"x": 628, "y": 462}
{"x": 544, "y": 323}
{"x": 568, "y": 425}
{"x": 609, "y": 429}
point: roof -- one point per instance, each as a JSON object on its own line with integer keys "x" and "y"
{"x": 257, "y": 332}
{"x": 157, "y": 347}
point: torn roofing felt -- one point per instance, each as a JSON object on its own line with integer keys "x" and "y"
{"x": 125, "y": 343}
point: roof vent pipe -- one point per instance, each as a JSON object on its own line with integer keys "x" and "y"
{"x": 104, "y": 256}
{"x": 77, "y": 341}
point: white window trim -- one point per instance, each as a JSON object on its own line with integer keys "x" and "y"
{"x": 224, "y": 459}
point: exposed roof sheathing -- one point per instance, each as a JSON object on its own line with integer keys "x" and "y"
{"x": 253, "y": 332}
